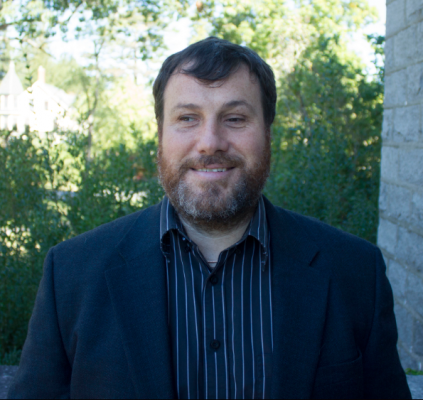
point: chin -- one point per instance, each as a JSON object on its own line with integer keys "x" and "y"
{"x": 196, "y": 183}
{"x": 217, "y": 188}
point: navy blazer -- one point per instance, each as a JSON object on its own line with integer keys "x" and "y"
{"x": 99, "y": 325}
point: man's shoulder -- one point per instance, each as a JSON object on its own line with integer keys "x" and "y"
{"x": 334, "y": 245}
{"x": 323, "y": 233}
{"x": 102, "y": 241}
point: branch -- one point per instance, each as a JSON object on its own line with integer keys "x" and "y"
{"x": 304, "y": 112}
{"x": 73, "y": 13}
{"x": 35, "y": 45}
{"x": 4, "y": 26}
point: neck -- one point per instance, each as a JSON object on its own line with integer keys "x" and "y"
{"x": 211, "y": 243}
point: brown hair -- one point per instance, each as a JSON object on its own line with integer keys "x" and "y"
{"x": 215, "y": 59}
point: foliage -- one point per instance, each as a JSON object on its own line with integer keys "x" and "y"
{"x": 279, "y": 31}
{"x": 107, "y": 104}
{"x": 327, "y": 141}
{"x": 410, "y": 371}
{"x": 11, "y": 358}
{"x": 38, "y": 209}
{"x": 121, "y": 35}
{"x": 112, "y": 20}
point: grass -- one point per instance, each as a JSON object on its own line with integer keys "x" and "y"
{"x": 410, "y": 371}
{"x": 10, "y": 358}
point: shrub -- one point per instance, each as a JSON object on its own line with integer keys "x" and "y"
{"x": 326, "y": 141}
{"x": 49, "y": 193}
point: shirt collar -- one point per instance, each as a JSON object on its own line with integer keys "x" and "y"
{"x": 168, "y": 218}
{"x": 258, "y": 227}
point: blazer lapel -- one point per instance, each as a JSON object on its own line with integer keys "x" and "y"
{"x": 299, "y": 294}
{"x": 139, "y": 296}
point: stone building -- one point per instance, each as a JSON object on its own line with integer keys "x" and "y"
{"x": 400, "y": 234}
{"x": 42, "y": 107}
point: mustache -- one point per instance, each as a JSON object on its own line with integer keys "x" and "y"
{"x": 204, "y": 161}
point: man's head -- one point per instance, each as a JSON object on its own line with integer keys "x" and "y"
{"x": 215, "y": 103}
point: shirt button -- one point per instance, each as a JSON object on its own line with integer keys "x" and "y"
{"x": 215, "y": 344}
{"x": 214, "y": 279}
{"x": 187, "y": 248}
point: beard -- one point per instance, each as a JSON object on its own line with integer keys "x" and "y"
{"x": 215, "y": 205}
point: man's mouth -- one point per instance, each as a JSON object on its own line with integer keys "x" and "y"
{"x": 212, "y": 169}
{"x": 212, "y": 172}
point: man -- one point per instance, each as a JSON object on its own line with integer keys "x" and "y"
{"x": 214, "y": 292}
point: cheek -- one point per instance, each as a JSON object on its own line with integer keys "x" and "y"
{"x": 251, "y": 146}
{"x": 174, "y": 147}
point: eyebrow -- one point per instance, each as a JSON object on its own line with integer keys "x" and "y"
{"x": 236, "y": 103}
{"x": 189, "y": 106}
{"x": 229, "y": 104}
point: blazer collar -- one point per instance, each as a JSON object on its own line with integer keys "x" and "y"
{"x": 299, "y": 295}
{"x": 138, "y": 292}
{"x": 141, "y": 235}
{"x": 290, "y": 236}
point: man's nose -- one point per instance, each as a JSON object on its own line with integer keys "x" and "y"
{"x": 212, "y": 138}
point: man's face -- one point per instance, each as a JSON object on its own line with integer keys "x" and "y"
{"x": 214, "y": 150}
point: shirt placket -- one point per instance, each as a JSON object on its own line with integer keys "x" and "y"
{"x": 213, "y": 336}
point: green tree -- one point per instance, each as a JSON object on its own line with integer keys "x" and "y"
{"x": 327, "y": 141}
{"x": 30, "y": 223}
{"x": 127, "y": 32}
{"x": 38, "y": 209}
{"x": 279, "y": 30}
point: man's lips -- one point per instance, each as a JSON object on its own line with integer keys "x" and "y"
{"x": 212, "y": 172}
{"x": 212, "y": 168}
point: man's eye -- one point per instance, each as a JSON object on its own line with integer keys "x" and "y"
{"x": 186, "y": 119}
{"x": 236, "y": 120}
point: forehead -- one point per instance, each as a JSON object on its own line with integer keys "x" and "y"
{"x": 240, "y": 85}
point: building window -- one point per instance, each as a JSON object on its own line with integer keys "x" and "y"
{"x": 2, "y": 102}
{"x": 46, "y": 105}
{"x": 16, "y": 101}
{"x": 6, "y": 102}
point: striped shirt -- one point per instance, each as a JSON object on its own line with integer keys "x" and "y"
{"x": 220, "y": 319}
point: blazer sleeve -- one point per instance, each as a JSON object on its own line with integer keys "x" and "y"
{"x": 384, "y": 376}
{"x": 44, "y": 370}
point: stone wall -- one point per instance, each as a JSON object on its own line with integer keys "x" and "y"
{"x": 400, "y": 234}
